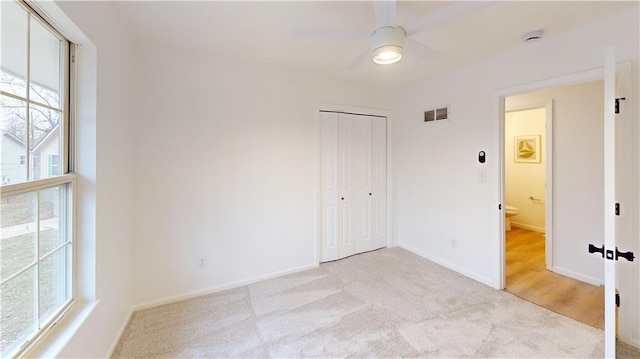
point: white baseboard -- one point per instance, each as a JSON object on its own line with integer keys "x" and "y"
{"x": 219, "y": 288}
{"x": 120, "y": 332}
{"x": 475, "y": 276}
{"x": 634, "y": 342}
{"x": 577, "y": 276}
{"x": 527, "y": 226}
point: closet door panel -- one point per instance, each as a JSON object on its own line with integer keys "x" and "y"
{"x": 379, "y": 182}
{"x": 363, "y": 169}
{"x": 347, "y": 183}
{"x": 329, "y": 184}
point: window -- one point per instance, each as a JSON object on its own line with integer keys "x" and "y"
{"x": 54, "y": 165}
{"x": 36, "y": 247}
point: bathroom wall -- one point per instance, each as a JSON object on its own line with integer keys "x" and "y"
{"x": 578, "y": 180}
{"x": 525, "y": 179}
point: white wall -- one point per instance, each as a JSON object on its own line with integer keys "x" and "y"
{"x": 525, "y": 179}
{"x": 438, "y": 194}
{"x": 225, "y": 169}
{"x": 578, "y": 180}
{"x": 104, "y": 229}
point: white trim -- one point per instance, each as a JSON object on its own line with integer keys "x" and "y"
{"x": 116, "y": 340}
{"x": 321, "y": 106}
{"x": 17, "y": 188}
{"x": 577, "y": 276}
{"x": 51, "y": 343}
{"x": 473, "y": 275}
{"x": 530, "y": 227}
{"x": 548, "y": 190}
{"x": 219, "y": 288}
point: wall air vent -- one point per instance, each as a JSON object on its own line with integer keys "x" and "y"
{"x": 436, "y": 114}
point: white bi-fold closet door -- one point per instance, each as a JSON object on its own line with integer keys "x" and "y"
{"x": 353, "y": 181}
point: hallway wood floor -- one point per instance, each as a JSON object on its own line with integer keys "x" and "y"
{"x": 528, "y": 278}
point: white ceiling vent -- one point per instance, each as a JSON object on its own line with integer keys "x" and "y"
{"x": 436, "y": 114}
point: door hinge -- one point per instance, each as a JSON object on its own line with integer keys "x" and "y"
{"x": 617, "y": 209}
{"x": 617, "y": 300}
{"x": 618, "y": 103}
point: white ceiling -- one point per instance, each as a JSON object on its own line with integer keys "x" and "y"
{"x": 262, "y": 31}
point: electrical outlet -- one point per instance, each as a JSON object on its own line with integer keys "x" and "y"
{"x": 201, "y": 262}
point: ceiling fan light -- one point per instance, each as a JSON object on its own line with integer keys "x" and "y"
{"x": 387, "y": 44}
{"x": 386, "y": 55}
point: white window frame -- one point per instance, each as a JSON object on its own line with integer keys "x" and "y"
{"x": 66, "y": 178}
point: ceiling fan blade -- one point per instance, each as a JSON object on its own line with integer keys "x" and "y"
{"x": 385, "y": 12}
{"x": 443, "y": 15}
{"x": 335, "y": 34}
{"x": 360, "y": 60}
{"x": 424, "y": 52}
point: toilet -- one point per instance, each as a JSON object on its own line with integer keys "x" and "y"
{"x": 509, "y": 211}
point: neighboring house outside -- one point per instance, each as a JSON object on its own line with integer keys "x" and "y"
{"x": 13, "y": 162}
{"x": 44, "y": 158}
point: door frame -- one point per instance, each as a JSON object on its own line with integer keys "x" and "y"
{"x": 321, "y": 106}
{"x": 547, "y": 150}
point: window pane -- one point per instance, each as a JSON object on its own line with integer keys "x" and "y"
{"x": 51, "y": 220}
{"x": 45, "y": 141}
{"x": 18, "y": 235}
{"x": 14, "y": 48}
{"x": 14, "y": 139}
{"x": 53, "y": 284}
{"x": 45, "y": 65}
{"x": 18, "y": 322}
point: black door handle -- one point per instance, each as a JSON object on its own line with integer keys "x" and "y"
{"x": 626, "y": 255}
{"x": 594, "y": 249}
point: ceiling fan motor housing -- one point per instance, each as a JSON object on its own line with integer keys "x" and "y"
{"x": 386, "y": 39}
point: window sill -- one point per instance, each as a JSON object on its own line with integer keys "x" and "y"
{"x": 51, "y": 343}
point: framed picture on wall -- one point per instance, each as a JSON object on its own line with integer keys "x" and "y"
{"x": 527, "y": 149}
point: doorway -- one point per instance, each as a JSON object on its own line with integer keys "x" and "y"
{"x": 545, "y": 133}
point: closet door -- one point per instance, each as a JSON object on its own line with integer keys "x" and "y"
{"x": 379, "y": 182}
{"x": 347, "y": 169}
{"x": 362, "y": 193}
{"x": 352, "y": 184}
{"x": 329, "y": 187}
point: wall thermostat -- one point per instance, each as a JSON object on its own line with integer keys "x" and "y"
{"x": 481, "y": 157}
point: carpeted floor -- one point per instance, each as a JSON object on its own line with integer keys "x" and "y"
{"x": 383, "y": 304}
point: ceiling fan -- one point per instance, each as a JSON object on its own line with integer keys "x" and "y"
{"x": 389, "y": 41}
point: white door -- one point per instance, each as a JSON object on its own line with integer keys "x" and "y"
{"x": 362, "y": 176}
{"x": 348, "y": 179}
{"x": 353, "y": 184}
{"x": 609, "y": 205}
{"x": 329, "y": 200}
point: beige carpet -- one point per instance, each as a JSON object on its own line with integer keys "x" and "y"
{"x": 388, "y": 303}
